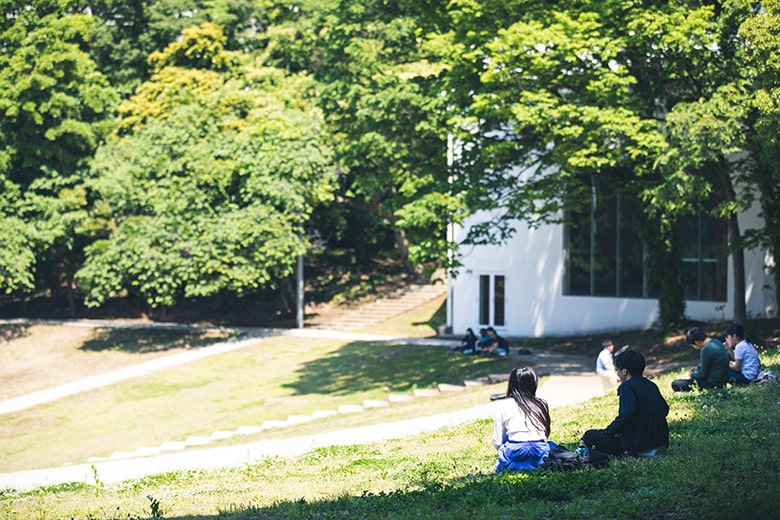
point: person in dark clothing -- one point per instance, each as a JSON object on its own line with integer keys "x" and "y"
{"x": 497, "y": 346}
{"x": 713, "y": 369}
{"x": 640, "y": 428}
{"x": 468, "y": 345}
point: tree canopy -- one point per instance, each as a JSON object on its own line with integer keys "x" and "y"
{"x": 210, "y": 180}
{"x": 175, "y": 149}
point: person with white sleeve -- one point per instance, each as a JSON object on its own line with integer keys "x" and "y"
{"x": 605, "y": 366}
{"x": 746, "y": 364}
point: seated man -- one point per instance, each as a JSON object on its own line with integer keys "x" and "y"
{"x": 483, "y": 340}
{"x": 713, "y": 369}
{"x": 497, "y": 346}
{"x": 746, "y": 365}
{"x": 640, "y": 428}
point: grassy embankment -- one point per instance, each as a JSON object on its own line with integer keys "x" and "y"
{"x": 724, "y": 457}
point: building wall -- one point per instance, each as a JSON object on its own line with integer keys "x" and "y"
{"x": 533, "y": 264}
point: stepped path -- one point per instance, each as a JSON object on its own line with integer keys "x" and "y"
{"x": 396, "y": 303}
{"x": 569, "y": 379}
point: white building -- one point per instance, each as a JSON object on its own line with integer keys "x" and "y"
{"x": 557, "y": 280}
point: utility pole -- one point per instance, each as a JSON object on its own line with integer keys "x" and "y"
{"x": 299, "y": 277}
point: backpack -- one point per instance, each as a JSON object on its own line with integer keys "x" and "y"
{"x": 765, "y": 377}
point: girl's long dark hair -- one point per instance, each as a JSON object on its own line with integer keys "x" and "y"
{"x": 522, "y": 388}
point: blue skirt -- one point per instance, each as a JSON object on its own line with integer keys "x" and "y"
{"x": 516, "y": 456}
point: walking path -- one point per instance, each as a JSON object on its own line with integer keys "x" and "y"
{"x": 570, "y": 379}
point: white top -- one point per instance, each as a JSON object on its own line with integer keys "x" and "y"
{"x": 604, "y": 364}
{"x": 750, "y": 362}
{"x": 510, "y": 424}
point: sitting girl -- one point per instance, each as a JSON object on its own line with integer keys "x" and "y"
{"x": 522, "y": 424}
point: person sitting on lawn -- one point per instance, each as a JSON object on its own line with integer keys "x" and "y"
{"x": 467, "y": 345}
{"x": 746, "y": 365}
{"x": 640, "y": 428}
{"x": 713, "y": 369}
{"x": 521, "y": 424}
{"x": 497, "y": 346}
{"x": 484, "y": 339}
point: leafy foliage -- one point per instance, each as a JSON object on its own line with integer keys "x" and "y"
{"x": 56, "y": 108}
{"x": 659, "y": 95}
{"x": 381, "y": 98}
{"x": 208, "y": 184}
{"x": 677, "y": 100}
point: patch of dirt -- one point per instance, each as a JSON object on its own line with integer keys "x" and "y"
{"x": 39, "y": 356}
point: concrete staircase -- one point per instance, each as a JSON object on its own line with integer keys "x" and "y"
{"x": 396, "y": 303}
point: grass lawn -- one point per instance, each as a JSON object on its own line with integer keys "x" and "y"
{"x": 269, "y": 380}
{"x": 724, "y": 455}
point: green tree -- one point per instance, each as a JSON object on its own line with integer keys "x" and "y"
{"x": 127, "y": 32}
{"x": 56, "y": 108}
{"x": 656, "y": 93}
{"x": 210, "y": 180}
{"x": 760, "y": 48}
{"x": 382, "y": 98}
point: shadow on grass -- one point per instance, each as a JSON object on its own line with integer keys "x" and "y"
{"x": 12, "y": 331}
{"x": 436, "y": 319}
{"x": 481, "y": 496}
{"x": 360, "y": 366}
{"x": 707, "y": 442}
{"x": 147, "y": 340}
{"x": 658, "y": 347}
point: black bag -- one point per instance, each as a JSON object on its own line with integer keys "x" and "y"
{"x": 597, "y": 459}
{"x": 561, "y": 459}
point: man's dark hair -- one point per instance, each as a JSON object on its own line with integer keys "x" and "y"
{"x": 606, "y": 343}
{"x": 631, "y": 360}
{"x": 695, "y": 334}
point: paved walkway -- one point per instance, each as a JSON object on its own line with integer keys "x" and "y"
{"x": 569, "y": 379}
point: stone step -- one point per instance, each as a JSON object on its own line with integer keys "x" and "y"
{"x": 443, "y": 387}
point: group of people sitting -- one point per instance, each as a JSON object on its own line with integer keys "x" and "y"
{"x": 522, "y": 420}
{"x": 734, "y": 362}
{"x": 489, "y": 343}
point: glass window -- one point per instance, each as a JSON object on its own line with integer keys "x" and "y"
{"x": 604, "y": 256}
{"x": 498, "y": 300}
{"x": 703, "y": 250}
{"x": 484, "y": 300}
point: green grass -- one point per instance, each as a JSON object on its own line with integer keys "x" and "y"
{"x": 270, "y": 380}
{"x": 724, "y": 455}
{"x": 723, "y": 461}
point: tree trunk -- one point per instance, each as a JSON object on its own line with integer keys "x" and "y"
{"x": 736, "y": 249}
{"x": 738, "y": 264}
{"x": 402, "y": 246}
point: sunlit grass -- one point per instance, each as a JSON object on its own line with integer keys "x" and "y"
{"x": 270, "y": 380}
{"x": 726, "y": 439}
